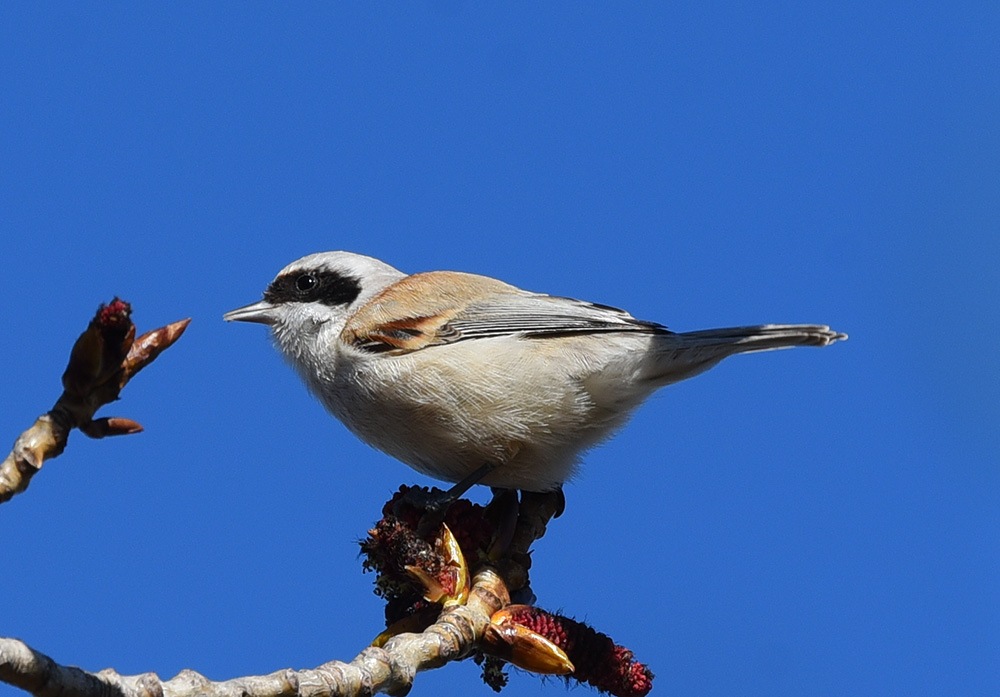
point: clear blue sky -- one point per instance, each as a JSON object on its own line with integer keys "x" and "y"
{"x": 808, "y": 522}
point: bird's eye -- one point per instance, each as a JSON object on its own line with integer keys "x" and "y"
{"x": 305, "y": 283}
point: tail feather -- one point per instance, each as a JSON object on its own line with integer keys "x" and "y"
{"x": 764, "y": 337}
{"x": 687, "y": 354}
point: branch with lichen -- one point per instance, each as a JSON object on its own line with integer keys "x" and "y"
{"x": 103, "y": 360}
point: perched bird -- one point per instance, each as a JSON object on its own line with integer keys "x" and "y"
{"x": 471, "y": 380}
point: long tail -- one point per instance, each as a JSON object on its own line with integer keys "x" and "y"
{"x": 684, "y": 355}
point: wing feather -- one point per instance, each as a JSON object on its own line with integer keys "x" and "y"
{"x": 443, "y": 307}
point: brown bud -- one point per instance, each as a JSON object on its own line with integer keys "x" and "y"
{"x": 524, "y": 648}
{"x": 449, "y": 548}
{"x": 150, "y": 345}
{"x": 84, "y": 362}
{"x": 110, "y": 426}
{"x": 449, "y": 582}
{"x": 98, "y": 353}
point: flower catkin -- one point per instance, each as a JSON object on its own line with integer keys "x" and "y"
{"x": 598, "y": 660}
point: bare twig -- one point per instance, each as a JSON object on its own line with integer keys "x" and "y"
{"x": 104, "y": 358}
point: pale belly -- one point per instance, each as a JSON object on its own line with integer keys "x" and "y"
{"x": 446, "y": 411}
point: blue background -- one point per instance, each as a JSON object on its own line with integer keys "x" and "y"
{"x": 800, "y": 522}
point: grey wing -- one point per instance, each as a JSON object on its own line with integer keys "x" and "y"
{"x": 536, "y": 315}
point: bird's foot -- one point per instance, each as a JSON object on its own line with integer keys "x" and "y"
{"x": 433, "y": 505}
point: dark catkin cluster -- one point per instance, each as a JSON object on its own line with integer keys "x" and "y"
{"x": 598, "y": 660}
{"x": 390, "y": 547}
{"x": 472, "y": 525}
{"x": 393, "y": 544}
{"x": 494, "y": 671}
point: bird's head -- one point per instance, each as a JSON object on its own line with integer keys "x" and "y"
{"x": 310, "y": 300}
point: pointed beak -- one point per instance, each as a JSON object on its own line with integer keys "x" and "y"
{"x": 262, "y": 313}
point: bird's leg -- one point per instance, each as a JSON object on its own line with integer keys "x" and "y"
{"x": 504, "y": 510}
{"x": 455, "y": 492}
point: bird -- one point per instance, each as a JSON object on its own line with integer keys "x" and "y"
{"x": 471, "y": 380}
